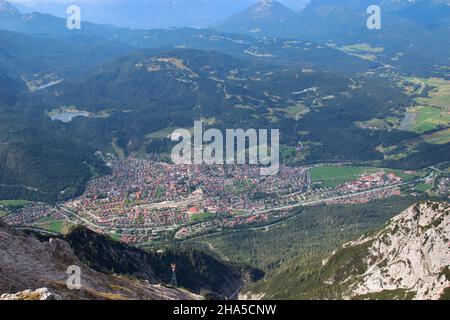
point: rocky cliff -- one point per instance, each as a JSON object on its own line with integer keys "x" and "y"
{"x": 412, "y": 253}
{"x": 407, "y": 259}
{"x": 27, "y": 264}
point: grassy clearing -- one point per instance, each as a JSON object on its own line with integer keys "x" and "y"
{"x": 364, "y": 47}
{"x": 296, "y": 111}
{"x": 362, "y": 51}
{"x": 51, "y": 224}
{"x": 238, "y": 213}
{"x": 3, "y": 214}
{"x": 114, "y": 236}
{"x": 13, "y": 204}
{"x": 423, "y": 187}
{"x": 118, "y": 150}
{"x": 380, "y": 124}
{"x": 398, "y": 294}
{"x": 201, "y": 217}
{"x": 161, "y": 134}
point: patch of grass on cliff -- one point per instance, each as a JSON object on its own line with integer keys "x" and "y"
{"x": 398, "y": 294}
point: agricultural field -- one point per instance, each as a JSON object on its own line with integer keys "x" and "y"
{"x": 364, "y": 47}
{"x": 430, "y": 118}
{"x": 13, "y": 204}
{"x": 432, "y": 109}
{"x": 362, "y": 50}
{"x": 332, "y": 176}
{"x": 440, "y": 137}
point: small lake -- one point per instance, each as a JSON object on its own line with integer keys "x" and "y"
{"x": 67, "y": 116}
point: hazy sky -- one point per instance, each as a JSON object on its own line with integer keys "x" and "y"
{"x": 294, "y": 4}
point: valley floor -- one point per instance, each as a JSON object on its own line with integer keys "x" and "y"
{"x": 144, "y": 201}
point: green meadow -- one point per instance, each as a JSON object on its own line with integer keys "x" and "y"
{"x": 51, "y": 224}
{"x": 201, "y": 217}
{"x": 332, "y": 176}
{"x": 13, "y": 204}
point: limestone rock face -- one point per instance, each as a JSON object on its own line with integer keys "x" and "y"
{"x": 39, "y": 294}
{"x": 411, "y": 253}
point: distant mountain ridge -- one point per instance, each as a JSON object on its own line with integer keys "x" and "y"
{"x": 415, "y": 30}
{"x": 330, "y": 19}
{"x": 405, "y": 38}
{"x": 266, "y": 17}
{"x": 151, "y": 13}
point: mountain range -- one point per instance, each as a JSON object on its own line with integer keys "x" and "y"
{"x": 148, "y": 13}
{"x": 411, "y": 32}
{"x": 331, "y": 20}
{"x": 72, "y": 100}
{"x": 265, "y": 18}
{"x": 128, "y": 91}
{"x": 413, "y": 29}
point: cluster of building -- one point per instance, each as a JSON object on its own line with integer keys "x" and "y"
{"x": 338, "y": 195}
{"x": 145, "y": 200}
{"x": 366, "y": 197}
{"x": 150, "y": 195}
{"x": 378, "y": 179}
{"x": 31, "y": 213}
